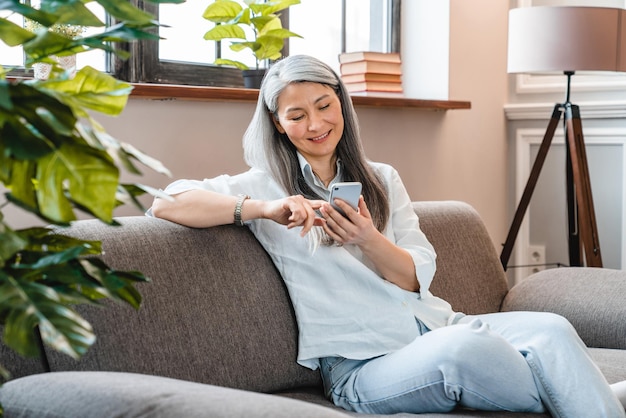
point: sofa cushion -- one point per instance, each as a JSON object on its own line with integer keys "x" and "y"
{"x": 216, "y": 311}
{"x": 611, "y": 362}
{"x": 586, "y": 296}
{"x": 110, "y": 394}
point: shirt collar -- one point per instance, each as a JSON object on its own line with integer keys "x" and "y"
{"x": 311, "y": 178}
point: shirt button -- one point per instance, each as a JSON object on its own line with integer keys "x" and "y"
{"x": 404, "y": 303}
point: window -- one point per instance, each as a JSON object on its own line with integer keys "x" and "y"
{"x": 330, "y": 27}
{"x": 184, "y": 57}
{"x": 14, "y": 57}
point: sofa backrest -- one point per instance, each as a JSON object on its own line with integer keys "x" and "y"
{"x": 469, "y": 273}
{"x": 217, "y": 310}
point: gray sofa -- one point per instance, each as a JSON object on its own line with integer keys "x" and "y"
{"x": 216, "y": 336}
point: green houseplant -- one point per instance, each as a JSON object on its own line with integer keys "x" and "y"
{"x": 56, "y": 160}
{"x": 68, "y": 62}
{"x": 265, "y": 37}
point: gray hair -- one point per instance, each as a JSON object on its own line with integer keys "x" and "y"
{"x": 267, "y": 149}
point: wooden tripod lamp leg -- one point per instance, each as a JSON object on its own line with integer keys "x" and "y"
{"x": 586, "y": 217}
{"x": 530, "y": 186}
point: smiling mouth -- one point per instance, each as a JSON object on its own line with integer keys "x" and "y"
{"x": 321, "y": 137}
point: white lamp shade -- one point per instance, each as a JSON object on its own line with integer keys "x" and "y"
{"x": 563, "y": 38}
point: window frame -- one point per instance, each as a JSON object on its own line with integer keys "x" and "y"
{"x": 394, "y": 43}
{"x": 144, "y": 65}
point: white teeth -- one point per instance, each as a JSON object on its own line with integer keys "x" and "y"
{"x": 320, "y": 137}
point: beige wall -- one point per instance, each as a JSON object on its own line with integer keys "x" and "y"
{"x": 458, "y": 154}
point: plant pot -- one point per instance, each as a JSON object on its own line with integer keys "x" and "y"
{"x": 252, "y": 78}
{"x": 42, "y": 70}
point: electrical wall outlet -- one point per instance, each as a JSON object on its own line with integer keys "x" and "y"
{"x": 536, "y": 258}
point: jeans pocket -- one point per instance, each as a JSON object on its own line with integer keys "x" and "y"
{"x": 336, "y": 371}
{"x": 327, "y": 365}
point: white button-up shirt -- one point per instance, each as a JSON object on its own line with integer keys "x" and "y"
{"x": 343, "y": 306}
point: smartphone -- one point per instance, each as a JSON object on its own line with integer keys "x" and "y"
{"x": 347, "y": 191}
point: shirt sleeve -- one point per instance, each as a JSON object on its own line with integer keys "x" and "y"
{"x": 253, "y": 183}
{"x": 407, "y": 233}
{"x": 220, "y": 184}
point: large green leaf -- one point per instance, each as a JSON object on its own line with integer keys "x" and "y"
{"x": 269, "y": 48}
{"x": 240, "y": 46}
{"x": 127, "y": 194}
{"x": 118, "y": 33}
{"x": 276, "y": 6}
{"x": 48, "y": 43}
{"x": 15, "y": 6}
{"x": 87, "y": 175}
{"x": 119, "y": 284}
{"x": 262, "y": 23}
{"x": 72, "y": 12}
{"x": 48, "y": 240}
{"x": 44, "y": 260}
{"x": 5, "y": 99}
{"x": 232, "y": 63}
{"x": 20, "y": 184}
{"x": 97, "y": 137}
{"x": 145, "y": 159}
{"x": 90, "y": 89}
{"x": 220, "y": 32}
{"x": 12, "y": 34}
{"x": 36, "y": 123}
{"x": 23, "y": 141}
{"x": 27, "y": 305}
{"x": 122, "y": 153}
{"x": 281, "y": 33}
{"x": 10, "y": 243}
{"x": 222, "y": 11}
{"x": 45, "y": 45}
{"x": 124, "y": 11}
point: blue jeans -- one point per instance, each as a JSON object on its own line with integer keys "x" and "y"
{"x": 512, "y": 361}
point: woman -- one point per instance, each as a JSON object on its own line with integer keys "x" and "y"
{"x": 359, "y": 284}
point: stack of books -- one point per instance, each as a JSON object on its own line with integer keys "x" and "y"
{"x": 371, "y": 72}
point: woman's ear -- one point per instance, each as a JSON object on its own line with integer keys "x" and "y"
{"x": 277, "y": 124}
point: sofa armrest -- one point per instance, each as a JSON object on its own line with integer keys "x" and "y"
{"x": 114, "y": 394}
{"x": 592, "y": 299}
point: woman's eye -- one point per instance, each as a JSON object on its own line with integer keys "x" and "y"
{"x": 325, "y": 107}
{"x": 297, "y": 118}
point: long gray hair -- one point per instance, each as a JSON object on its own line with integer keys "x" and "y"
{"x": 269, "y": 150}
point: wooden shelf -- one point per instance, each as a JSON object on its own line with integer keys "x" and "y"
{"x": 169, "y": 92}
{"x": 182, "y": 92}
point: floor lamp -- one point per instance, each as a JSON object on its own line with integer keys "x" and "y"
{"x": 566, "y": 39}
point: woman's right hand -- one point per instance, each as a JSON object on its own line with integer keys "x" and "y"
{"x": 294, "y": 211}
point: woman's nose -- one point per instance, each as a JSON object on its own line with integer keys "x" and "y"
{"x": 314, "y": 122}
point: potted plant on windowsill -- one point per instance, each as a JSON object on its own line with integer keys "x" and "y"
{"x": 42, "y": 69}
{"x": 259, "y": 18}
{"x": 56, "y": 159}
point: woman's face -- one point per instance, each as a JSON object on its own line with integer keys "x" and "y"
{"x": 310, "y": 115}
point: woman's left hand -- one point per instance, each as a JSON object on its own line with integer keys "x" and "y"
{"x": 356, "y": 227}
{"x": 394, "y": 263}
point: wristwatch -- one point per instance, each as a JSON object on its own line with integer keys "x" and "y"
{"x": 240, "y": 199}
